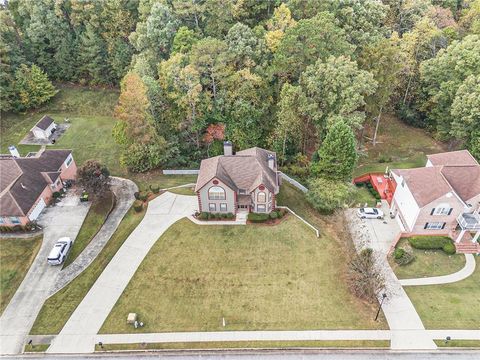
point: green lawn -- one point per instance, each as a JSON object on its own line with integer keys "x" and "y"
{"x": 256, "y": 277}
{"x": 58, "y": 308}
{"x": 36, "y": 348}
{"x": 449, "y": 306}
{"x": 248, "y": 345}
{"x": 156, "y": 178}
{"x": 427, "y": 263}
{"x": 16, "y": 256}
{"x": 183, "y": 191}
{"x": 94, "y": 220}
{"x": 459, "y": 343}
{"x": 362, "y": 196}
{"x": 400, "y": 146}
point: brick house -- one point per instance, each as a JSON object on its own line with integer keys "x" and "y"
{"x": 246, "y": 181}
{"x": 27, "y": 184}
{"x": 441, "y": 198}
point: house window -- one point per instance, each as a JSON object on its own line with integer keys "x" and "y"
{"x": 216, "y": 193}
{"x": 261, "y": 208}
{"x": 261, "y": 197}
{"x": 269, "y": 196}
{"x": 434, "y": 226}
{"x": 223, "y": 207}
{"x": 14, "y": 220}
{"x": 2, "y": 221}
{"x": 69, "y": 160}
{"x": 212, "y": 207}
{"x": 442, "y": 210}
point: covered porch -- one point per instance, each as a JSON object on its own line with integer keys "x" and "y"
{"x": 469, "y": 233}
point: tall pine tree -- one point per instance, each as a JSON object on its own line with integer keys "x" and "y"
{"x": 93, "y": 57}
{"x": 33, "y": 87}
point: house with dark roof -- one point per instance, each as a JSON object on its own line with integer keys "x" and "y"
{"x": 27, "y": 184}
{"x": 246, "y": 181}
{"x": 441, "y": 198}
{"x": 44, "y": 128}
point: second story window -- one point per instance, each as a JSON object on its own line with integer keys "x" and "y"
{"x": 261, "y": 197}
{"x": 216, "y": 193}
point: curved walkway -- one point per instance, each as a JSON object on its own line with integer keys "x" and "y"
{"x": 79, "y": 333}
{"x": 124, "y": 190}
{"x": 467, "y": 270}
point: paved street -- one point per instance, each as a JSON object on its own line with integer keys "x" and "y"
{"x": 20, "y": 314}
{"x": 78, "y": 334}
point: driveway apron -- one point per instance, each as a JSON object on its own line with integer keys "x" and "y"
{"x": 79, "y": 333}
{"x": 20, "y": 314}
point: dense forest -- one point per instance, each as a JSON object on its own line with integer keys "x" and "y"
{"x": 302, "y": 77}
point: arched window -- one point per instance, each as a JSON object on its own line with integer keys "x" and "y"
{"x": 216, "y": 193}
{"x": 261, "y": 197}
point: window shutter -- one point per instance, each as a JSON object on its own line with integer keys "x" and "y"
{"x": 443, "y": 226}
{"x": 431, "y": 212}
{"x": 426, "y": 226}
{"x": 450, "y": 211}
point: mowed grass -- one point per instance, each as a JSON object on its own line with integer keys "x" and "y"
{"x": 449, "y": 306}
{"x": 399, "y": 146}
{"x": 58, "y": 308}
{"x": 247, "y": 345}
{"x": 257, "y": 277}
{"x": 16, "y": 256}
{"x": 183, "y": 191}
{"x": 96, "y": 216}
{"x": 427, "y": 263}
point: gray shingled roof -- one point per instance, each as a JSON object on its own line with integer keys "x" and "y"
{"x": 44, "y": 122}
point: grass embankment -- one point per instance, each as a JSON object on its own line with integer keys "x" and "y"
{"x": 256, "y": 277}
{"x": 427, "y": 263}
{"x": 183, "y": 191}
{"x": 58, "y": 308}
{"x": 247, "y": 345}
{"x": 458, "y": 343}
{"x": 399, "y": 146}
{"x": 16, "y": 256}
{"x": 93, "y": 222}
{"x": 449, "y": 306}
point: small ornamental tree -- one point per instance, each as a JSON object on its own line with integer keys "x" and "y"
{"x": 327, "y": 195}
{"x": 337, "y": 155}
{"x": 33, "y": 87}
{"x": 94, "y": 177}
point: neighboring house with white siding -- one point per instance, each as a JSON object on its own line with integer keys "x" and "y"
{"x": 246, "y": 181}
{"x": 441, "y": 198}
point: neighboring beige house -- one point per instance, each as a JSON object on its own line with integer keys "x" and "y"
{"x": 247, "y": 181}
{"x": 44, "y": 128}
{"x": 441, "y": 198}
{"x": 27, "y": 184}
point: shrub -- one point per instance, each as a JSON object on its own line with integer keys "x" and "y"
{"x": 138, "y": 205}
{"x": 449, "y": 248}
{"x": 56, "y": 194}
{"x": 406, "y": 258}
{"x": 327, "y": 195}
{"x": 230, "y": 216}
{"x": 143, "y": 196}
{"x": 282, "y": 212}
{"x": 258, "y": 218}
{"x": 203, "y": 216}
{"x": 429, "y": 242}
{"x": 274, "y": 215}
{"x": 398, "y": 253}
{"x": 136, "y": 194}
{"x": 155, "y": 189}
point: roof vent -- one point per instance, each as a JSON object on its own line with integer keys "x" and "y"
{"x": 23, "y": 186}
{"x": 271, "y": 161}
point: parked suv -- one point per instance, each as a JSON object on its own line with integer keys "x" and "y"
{"x": 59, "y": 252}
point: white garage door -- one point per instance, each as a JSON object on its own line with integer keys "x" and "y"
{"x": 37, "y": 210}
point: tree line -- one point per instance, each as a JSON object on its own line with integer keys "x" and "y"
{"x": 295, "y": 76}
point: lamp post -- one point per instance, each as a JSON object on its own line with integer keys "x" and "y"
{"x": 380, "y": 307}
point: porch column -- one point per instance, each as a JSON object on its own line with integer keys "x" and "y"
{"x": 477, "y": 235}
{"x": 460, "y": 236}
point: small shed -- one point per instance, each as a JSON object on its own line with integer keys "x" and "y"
{"x": 44, "y": 128}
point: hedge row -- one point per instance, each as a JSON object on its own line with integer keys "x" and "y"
{"x": 259, "y": 218}
{"x": 429, "y": 242}
{"x": 215, "y": 216}
{"x": 18, "y": 228}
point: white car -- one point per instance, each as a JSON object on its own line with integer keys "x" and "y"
{"x": 59, "y": 252}
{"x": 370, "y": 213}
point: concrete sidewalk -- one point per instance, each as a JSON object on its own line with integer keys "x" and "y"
{"x": 20, "y": 314}
{"x": 467, "y": 270}
{"x": 79, "y": 333}
{"x": 408, "y": 332}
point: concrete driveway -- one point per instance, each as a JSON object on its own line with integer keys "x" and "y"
{"x": 19, "y": 316}
{"x": 78, "y": 334}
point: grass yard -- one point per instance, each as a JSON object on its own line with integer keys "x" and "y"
{"x": 183, "y": 191}
{"x": 399, "y": 146}
{"x": 94, "y": 220}
{"x": 156, "y": 177}
{"x": 362, "y": 196}
{"x": 449, "y": 306}
{"x": 427, "y": 263}
{"x": 458, "y": 343}
{"x": 16, "y": 256}
{"x": 256, "y": 277}
{"x": 58, "y": 308}
{"x": 247, "y": 345}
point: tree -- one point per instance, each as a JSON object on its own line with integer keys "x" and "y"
{"x": 466, "y": 112}
{"x": 33, "y": 87}
{"x": 183, "y": 41}
{"x": 93, "y": 57}
{"x": 214, "y": 134}
{"x": 94, "y": 177}
{"x": 442, "y": 77}
{"x": 365, "y": 279}
{"x": 308, "y": 41}
{"x": 327, "y": 195}
{"x": 242, "y": 43}
{"x": 337, "y": 154}
{"x": 336, "y": 87}
{"x": 277, "y": 25}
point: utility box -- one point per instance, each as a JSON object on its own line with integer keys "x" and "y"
{"x": 131, "y": 318}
